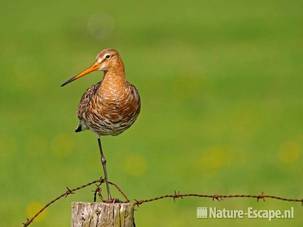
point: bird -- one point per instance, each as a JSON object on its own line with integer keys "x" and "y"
{"x": 110, "y": 106}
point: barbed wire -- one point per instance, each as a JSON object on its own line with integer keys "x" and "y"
{"x": 217, "y": 197}
{"x": 176, "y": 195}
{"x": 63, "y": 195}
{"x": 69, "y": 191}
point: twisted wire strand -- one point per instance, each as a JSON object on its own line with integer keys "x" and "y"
{"x": 174, "y": 196}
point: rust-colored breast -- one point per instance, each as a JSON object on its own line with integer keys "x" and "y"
{"x": 109, "y": 107}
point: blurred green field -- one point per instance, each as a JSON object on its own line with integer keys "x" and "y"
{"x": 221, "y": 88}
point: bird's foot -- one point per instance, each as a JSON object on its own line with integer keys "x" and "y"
{"x": 113, "y": 200}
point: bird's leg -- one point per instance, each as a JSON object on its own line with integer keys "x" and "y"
{"x": 103, "y": 162}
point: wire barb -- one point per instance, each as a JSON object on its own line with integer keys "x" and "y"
{"x": 68, "y": 192}
{"x": 216, "y": 198}
{"x": 261, "y": 196}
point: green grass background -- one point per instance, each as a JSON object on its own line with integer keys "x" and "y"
{"x": 221, "y": 88}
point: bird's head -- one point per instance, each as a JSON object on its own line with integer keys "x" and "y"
{"x": 106, "y": 60}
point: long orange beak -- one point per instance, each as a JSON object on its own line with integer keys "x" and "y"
{"x": 90, "y": 69}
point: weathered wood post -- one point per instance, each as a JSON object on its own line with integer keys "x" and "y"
{"x": 102, "y": 214}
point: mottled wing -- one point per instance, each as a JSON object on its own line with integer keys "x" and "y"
{"x": 86, "y": 98}
{"x": 137, "y": 102}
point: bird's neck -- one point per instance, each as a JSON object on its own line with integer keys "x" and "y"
{"x": 115, "y": 71}
{"x": 115, "y": 75}
{"x": 114, "y": 82}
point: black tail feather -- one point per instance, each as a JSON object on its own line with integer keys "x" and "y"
{"x": 78, "y": 129}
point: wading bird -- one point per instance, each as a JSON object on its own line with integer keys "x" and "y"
{"x": 110, "y": 106}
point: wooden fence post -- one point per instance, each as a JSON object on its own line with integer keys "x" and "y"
{"x": 102, "y": 214}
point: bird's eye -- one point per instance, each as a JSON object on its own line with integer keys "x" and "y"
{"x": 107, "y": 56}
